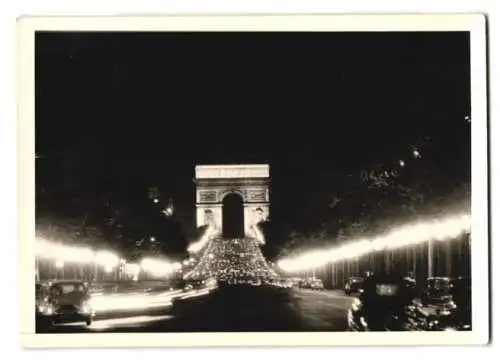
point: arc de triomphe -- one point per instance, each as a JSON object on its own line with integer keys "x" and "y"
{"x": 214, "y": 183}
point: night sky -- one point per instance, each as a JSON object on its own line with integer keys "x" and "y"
{"x": 119, "y": 113}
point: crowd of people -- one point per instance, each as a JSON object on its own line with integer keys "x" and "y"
{"x": 226, "y": 259}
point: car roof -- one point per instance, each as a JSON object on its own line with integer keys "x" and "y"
{"x": 388, "y": 279}
{"x": 61, "y": 282}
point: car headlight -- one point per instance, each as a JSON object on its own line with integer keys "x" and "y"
{"x": 356, "y": 304}
{"x": 46, "y": 309}
{"x": 444, "y": 312}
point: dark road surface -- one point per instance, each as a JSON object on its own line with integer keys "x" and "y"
{"x": 233, "y": 309}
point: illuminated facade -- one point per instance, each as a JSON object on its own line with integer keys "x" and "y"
{"x": 215, "y": 182}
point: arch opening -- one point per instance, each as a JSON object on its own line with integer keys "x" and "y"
{"x": 233, "y": 222}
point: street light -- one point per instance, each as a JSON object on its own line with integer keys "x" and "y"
{"x": 152, "y": 239}
{"x": 60, "y": 266}
{"x": 168, "y": 211}
{"x": 446, "y": 229}
{"x": 430, "y": 258}
{"x": 156, "y": 201}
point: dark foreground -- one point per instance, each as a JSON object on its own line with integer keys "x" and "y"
{"x": 232, "y": 309}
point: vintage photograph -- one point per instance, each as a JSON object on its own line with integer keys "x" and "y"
{"x": 252, "y": 181}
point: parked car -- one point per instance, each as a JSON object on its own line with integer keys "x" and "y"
{"x": 312, "y": 283}
{"x": 353, "y": 285}
{"x": 461, "y": 296}
{"x": 437, "y": 291}
{"x": 67, "y": 301}
{"x": 385, "y": 304}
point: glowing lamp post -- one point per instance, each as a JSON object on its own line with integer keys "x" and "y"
{"x": 430, "y": 232}
{"x": 177, "y": 266}
{"x": 60, "y": 267}
{"x": 107, "y": 260}
{"x": 168, "y": 211}
{"x": 430, "y": 258}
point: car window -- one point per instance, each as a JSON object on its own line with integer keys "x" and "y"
{"x": 387, "y": 289}
{"x": 64, "y": 289}
{"x": 441, "y": 283}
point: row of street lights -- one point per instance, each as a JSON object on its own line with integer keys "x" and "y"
{"x": 59, "y": 255}
{"x": 63, "y": 254}
{"x": 445, "y": 229}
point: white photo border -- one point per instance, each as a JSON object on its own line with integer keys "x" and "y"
{"x": 474, "y": 23}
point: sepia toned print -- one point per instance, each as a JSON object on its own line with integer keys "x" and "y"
{"x": 254, "y": 182}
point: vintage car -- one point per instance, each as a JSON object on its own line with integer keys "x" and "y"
{"x": 456, "y": 314}
{"x": 353, "y": 285}
{"x": 437, "y": 291}
{"x": 312, "y": 283}
{"x": 385, "y": 304}
{"x": 66, "y": 301}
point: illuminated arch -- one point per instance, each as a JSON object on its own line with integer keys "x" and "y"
{"x": 215, "y": 182}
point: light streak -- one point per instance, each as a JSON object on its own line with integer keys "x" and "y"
{"x": 106, "y": 259}
{"x": 158, "y": 267}
{"x": 71, "y": 254}
{"x": 123, "y": 302}
{"x": 445, "y": 229}
{"x": 62, "y": 254}
{"x": 128, "y": 321}
{"x": 259, "y": 236}
{"x": 197, "y": 246}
